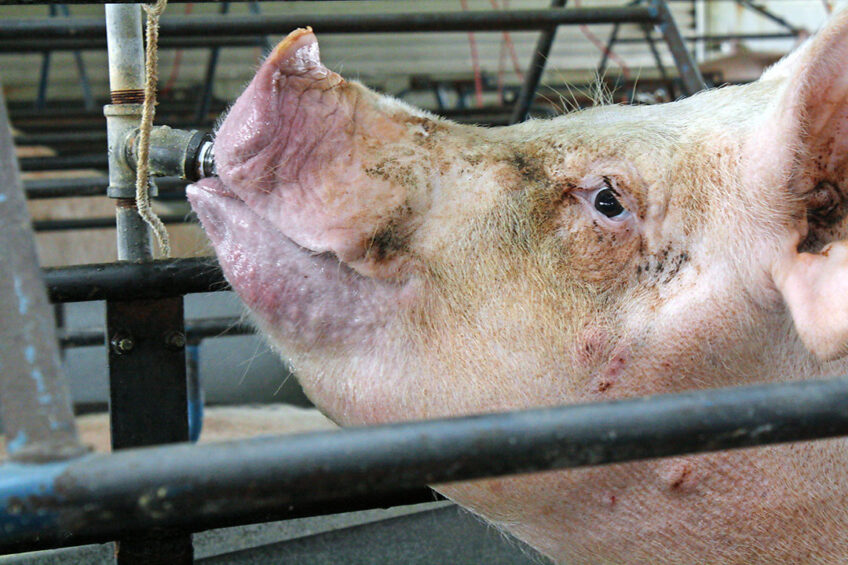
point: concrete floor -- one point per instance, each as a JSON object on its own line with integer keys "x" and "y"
{"x": 424, "y": 534}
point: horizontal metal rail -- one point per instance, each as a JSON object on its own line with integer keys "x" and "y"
{"x": 198, "y": 487}
{"x": 93, "y": 44}
{"x": 255, "y": 25}
{"x": 64, "y": 162}
{"x": 195, "y": 330}
{"x": 125, "y": 280}
{"x": 92, "y": 186}
{"x": 74, "y": 224}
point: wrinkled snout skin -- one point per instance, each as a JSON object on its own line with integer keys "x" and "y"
{"x": 410, "y": 267}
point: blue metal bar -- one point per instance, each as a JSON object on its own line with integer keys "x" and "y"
{"x": 196, "y": 487}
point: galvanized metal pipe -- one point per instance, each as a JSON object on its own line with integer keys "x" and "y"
{"x": 126, "y": 82}
{"x": 34, "y": 400}
{"x": 196, "y": 487}
{"x": 255, "y": 25}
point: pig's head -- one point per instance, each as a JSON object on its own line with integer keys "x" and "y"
{"x": 410, "y": 267}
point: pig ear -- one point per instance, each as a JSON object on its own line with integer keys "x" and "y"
{"x": 809, "y": 121}
{"x": 810, "y": 126}
{"x": 815, "y": 288}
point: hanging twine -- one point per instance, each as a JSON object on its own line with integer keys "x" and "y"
{"x": 142, "y": 179}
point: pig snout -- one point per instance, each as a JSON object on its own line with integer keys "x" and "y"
{"x": 305, "y": 150}
{"x": 409, "y": 267}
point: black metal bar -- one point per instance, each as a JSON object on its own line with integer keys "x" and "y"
{"x": 253, "y": 6}
{"x": 766, "y": 13}
{"x": 253, "y": 25}
{"x": 65, "y": 138}
{"x": 602, "y": 65}
{"x": 658, "y": 61}
{"x": 534, "y": 70}
{"x": 72, "y": 224}
{"x": 64, "y": 163}
{"x": 203, "y": 486}
{"x": 148, "y": 404}
{"x": 195, "y": 330}
{"x": 690, "y": 75}
{"x": 85, "y": 85}
{"x": 32, "y": 45}
{"x": 205, "y": 102}
{"x": 127, "y": 281}
{"x": 44, "y": 73}
{"x": 93, "y": 186}
{"x": 99, "y": 43}
{"x": 721, "y": 37}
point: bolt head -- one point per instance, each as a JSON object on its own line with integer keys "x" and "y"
{"x": 122, "y": 344}
{"x": 175, "y": 340}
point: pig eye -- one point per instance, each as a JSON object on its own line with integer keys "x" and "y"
{"x": 605, "y": 201}
{"x": 607, "y": 204}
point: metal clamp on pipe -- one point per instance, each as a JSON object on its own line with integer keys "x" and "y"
{"x": 173, "y": 153}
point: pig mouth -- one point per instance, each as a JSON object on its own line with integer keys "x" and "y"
{"x": 292, "y": 290}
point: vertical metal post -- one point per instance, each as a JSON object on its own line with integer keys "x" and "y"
{"x": 44, "y": 74}
{"x": 669, "y": 84}
{"x": 34, "y": 400}
{"x": 534, "y": 71}
{"x": 85, "y": 85}
{"x": 602, "y": 66}
{"x": 690, "y": 75}
{"x": 147, "y": 367}
{"x": 205, "y": 102}
{"x": 254, "y": 8}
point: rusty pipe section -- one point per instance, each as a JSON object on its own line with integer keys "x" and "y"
{"x": 34, "y": 400}
{"x": 173, "y": 153}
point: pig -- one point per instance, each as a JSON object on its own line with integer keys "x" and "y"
{"x": 409, "y": 267}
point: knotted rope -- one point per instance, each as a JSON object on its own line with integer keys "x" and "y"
{"x": 142, "y": 179}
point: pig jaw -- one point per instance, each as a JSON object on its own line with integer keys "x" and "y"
{"x": 298, "y": 296}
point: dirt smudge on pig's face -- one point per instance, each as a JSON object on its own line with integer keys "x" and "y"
{"x": 410, "y": 267}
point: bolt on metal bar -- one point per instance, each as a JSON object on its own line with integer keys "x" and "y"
{"x": 196, "y": 330}
{"x": 254, "y": 25}
{"x": 196, "y": 487}
{"x": 535, "y": 70}
{"x": 35, "y": 403}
